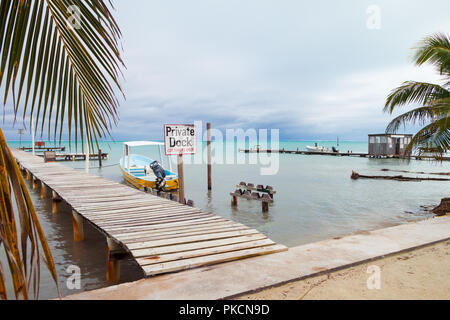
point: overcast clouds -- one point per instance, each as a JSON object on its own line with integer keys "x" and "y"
{"x": 310, "y": 68}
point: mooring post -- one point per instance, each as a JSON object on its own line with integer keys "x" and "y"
{"x": 100, "y": 158}
{"x": 234, "y": 201}
{"x": 27, "y": 174}
{"x": 112, "y": 264}
{"x": 55, "y": 201}
{"x": 208, "y": 134}
{"x": 180, "y": 179}
{"x": 78, "y": 231}
{"x": 43, "y": 191}
{"x": 265, "y": 206}
{"x": 34, "y": 183}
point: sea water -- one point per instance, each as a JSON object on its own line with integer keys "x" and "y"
{"x": 316, "y": 199}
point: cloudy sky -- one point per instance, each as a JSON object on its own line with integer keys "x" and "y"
{"x": 312, "y": 69}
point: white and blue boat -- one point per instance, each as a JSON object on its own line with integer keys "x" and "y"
{"x": 142, "y": 172}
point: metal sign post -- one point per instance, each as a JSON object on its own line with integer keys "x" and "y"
{"x": 180, "y": 139}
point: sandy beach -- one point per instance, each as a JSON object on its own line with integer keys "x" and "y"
{"x": 417, "y": 274}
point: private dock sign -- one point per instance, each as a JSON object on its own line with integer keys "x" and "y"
{"x": 180, "y": 139}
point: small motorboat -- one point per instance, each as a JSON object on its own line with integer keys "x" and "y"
{"x": 322, "y": 149}
{"x": 144, "y": 172}
{"x": 316, "y": 149}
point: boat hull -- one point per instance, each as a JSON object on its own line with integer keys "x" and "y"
{"x": 141, "y": 183}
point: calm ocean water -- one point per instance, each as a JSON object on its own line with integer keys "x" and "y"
{"x": 315, "y": 200}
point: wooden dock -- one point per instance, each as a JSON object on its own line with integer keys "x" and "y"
{"x": 43, "y": 149}
{"x": 339, "y": 154}
{"x": 77, "y": 156}
{"x": 160, "y": 235}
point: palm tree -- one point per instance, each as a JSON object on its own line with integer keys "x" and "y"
{"x": 434, "y": 99}
{"x": 59, "y": 65}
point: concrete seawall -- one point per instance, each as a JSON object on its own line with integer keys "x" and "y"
{"x": 240, "y": 277}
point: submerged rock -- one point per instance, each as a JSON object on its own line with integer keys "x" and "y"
{"x": 443, "y": 208}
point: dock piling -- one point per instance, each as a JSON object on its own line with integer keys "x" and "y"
{"x": 43, "y": 190}
{"x": 100, "y": 158}
{"x": 234, "y": 201}
{"x": 55, "y": 202}
{"x": 78, "y": 231}
{"x": 112, "y": 263}
{"x": 180, "y": 179}
{"x": 34, "y": 182}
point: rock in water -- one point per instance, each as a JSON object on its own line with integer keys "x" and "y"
{"x": 443, "y": 208}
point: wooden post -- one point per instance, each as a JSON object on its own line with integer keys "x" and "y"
{"x": 265, "y": 206}
{"x": 234, "y": 201}
{"x": 34, "y": 183}
{"x": 208, "y": 134}
{"x": 112, "y": 264}
{"x": 78, "y": 232}
{"x": 28, "y": 175}
{"x": 180, "y": 179}
{"x": 43, "y": 193}
{"x": 100, "y": 158}
{"x": 55, "y": 201}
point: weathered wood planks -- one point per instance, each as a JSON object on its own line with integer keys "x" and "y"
{"x": 161, "y": 235}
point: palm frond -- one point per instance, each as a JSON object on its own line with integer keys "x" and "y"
{"x": 435, "y": 49}
{"x": 57, "y": 69}
{"x": 24, "y": 269}
{"x": 420, "y": 115}
{"x": 414, "y": 92}
{"x": 54, "y": 70}
{"x": 436, "y": 136}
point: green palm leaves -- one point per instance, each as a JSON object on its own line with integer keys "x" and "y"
{"x": 60, "y": 62}
{"x": 434, "y": 99}
{"x": 24, "y": 268}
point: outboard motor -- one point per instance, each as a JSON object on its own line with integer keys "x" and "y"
{"x": 335, "y": 150}
{"x": 160, "y": 174}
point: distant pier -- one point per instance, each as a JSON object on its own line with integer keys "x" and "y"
{"x": 43, "y": 149}
{"x": 78, "y": 156}
{"x": 341, "y": 154}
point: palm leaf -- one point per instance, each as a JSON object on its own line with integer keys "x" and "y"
{"x": 434, "y": 99}
{"x": 414, "y": 92}
{"x": 52, "y": 68}
{"x": 435, "y": 136}
{"x": 435, "y": 49}
{"x": 13, "y": 185}
{"x": 420, "y": 115}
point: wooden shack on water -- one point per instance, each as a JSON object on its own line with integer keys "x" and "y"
{"x": 389, "y": 145}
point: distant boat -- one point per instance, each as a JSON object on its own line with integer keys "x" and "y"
{"x": 143, "y": 172}
{"x": 321, "y": 149}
